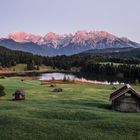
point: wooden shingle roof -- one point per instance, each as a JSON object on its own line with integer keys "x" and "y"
{"x": 123, "y": 90}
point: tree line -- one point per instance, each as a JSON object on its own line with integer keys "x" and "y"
{"x": 97, "y": 64}
{"x": 10, "y": 58}
{"x": 128, "y": 67}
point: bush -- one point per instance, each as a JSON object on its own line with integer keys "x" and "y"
{"x": 2, "y": 77}
{"x": 37, "y": 68}
{"x": 2, "y": 93}
{"x": 57, "y": 90}
{"x": 53, "y": 78}
{"x": 52, "y": 85}
{"x": 65, "y": 78}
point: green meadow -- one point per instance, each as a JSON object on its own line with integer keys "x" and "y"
{"x": 81, "y": 112}
{"x": 23, "y": 67}
{"x": 19, "y": 67}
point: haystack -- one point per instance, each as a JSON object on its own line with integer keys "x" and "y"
{"x": 19, "y": 95}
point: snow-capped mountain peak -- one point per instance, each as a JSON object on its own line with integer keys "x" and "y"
{"x": 23, "y": 37}
{"x": 56, "y": 44}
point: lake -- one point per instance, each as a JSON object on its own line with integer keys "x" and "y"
{"x": 56, "y": 76}
{"x": 80, "y": 78}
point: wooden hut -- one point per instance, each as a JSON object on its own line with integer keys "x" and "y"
{"x": 19, "y": 95}
{"x": 126, "y": 99}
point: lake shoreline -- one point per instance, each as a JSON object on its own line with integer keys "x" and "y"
{"x": 49, "y": 78}
{"x": 78, "y": 81}
{"x": 30, "y": 72}
{"x": 80, "y": 77}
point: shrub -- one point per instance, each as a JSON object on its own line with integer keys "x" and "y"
{"x": 68, "y": 79}
{"x": 65, "y": 78}
{"x": 2, "y": 93}
{"x": 53, "y": 78}
{"x": 57, "y": 90}
{"x": 2, "y": 77}
{"x": 52, "y": 85}
{"x": 37, "y": 68}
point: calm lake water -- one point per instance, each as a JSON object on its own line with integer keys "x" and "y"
{"x": 62, "y": 76}
{"x": 56, "y": 76}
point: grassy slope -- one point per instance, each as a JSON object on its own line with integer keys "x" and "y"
{"x": 80, "y": 112}
{"x": 22, "y": 67}
{"x": 19, "y": 67}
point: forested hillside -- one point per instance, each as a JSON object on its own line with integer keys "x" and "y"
{"x": 118, "y": 52}
{"x": 10, "y": 58}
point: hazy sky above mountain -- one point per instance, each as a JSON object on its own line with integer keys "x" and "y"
{"x": 120, "y": 17}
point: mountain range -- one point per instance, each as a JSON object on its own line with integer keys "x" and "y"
{"x": 67, "y": 44}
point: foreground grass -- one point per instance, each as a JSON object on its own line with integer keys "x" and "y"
{"x": 81, "y": 112}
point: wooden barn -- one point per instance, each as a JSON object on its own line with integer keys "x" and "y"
{"x": 126, "y": 99}
{"x": 19, "y": 95}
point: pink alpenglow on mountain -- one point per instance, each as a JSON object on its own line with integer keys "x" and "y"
{"x": 66, "y": 44}
{"x": 52, "y": 39}
{"x": 94, "y": 36}
{"x": 80, "y": 37}
{"x": 24, "y": 37}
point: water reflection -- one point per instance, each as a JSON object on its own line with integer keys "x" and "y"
{"x": 56, "y": 76}
{"x": 71, "y": 77}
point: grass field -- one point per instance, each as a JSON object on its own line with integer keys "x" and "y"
{"x": 81, "y": 112}
{"x": 22, "y": 67}
{"x": 19, "y": 67}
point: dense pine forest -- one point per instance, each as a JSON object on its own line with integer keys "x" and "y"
{"x": 10, "y": 58}
{"x": 98, "y": 65}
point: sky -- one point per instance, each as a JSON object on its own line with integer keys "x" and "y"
{"x": 120, "y": 17}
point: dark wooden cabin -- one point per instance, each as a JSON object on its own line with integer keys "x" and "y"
{"x": 126, "y": 99}
{"x": 19, "y": 95}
